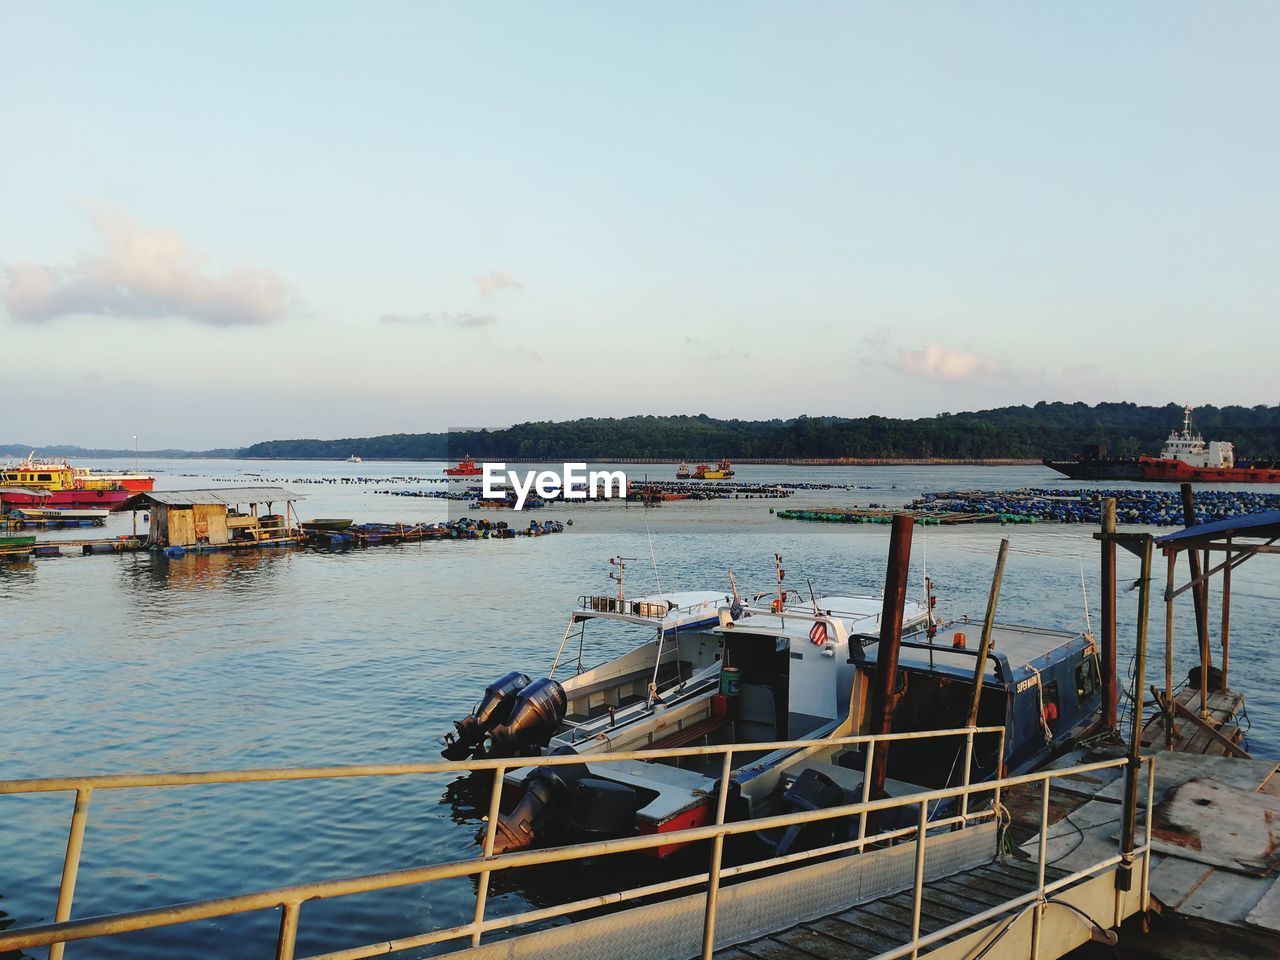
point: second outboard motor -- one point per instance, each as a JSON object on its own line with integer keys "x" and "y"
{"x": 812, "y": 790}
{"x": 535, "y": 717}
{"x": 546, "y": 794}
{"x": 494, "y": 708}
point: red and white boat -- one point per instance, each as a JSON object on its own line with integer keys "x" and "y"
{"x": 1187, "y": 457}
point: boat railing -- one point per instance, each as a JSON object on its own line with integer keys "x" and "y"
{"x": 288, "y": 900}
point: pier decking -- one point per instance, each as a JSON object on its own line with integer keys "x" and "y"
{"x": 880, "y": 926}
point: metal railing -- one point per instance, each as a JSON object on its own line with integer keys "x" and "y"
{"x": 289, "y": 899}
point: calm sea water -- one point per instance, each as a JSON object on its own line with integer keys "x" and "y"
{"x": 135, "y": 663}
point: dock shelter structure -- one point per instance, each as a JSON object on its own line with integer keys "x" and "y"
{"x": 221, "y": 518}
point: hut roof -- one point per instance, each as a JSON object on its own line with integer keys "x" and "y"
{"x": 1265, "y": 524}
{"x": 228, "y": 496}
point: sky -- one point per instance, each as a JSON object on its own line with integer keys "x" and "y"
{"x": 223, "y": 222}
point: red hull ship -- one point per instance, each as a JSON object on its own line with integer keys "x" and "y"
{"x": 1186, "y": 457}
{"x": 1175, "y": 471}
{"x": 63, "y": 486}
{"x": 466, "y": 467}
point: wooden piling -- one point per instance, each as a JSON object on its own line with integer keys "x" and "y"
{"x": 1199, "y": 594}
{"x": 1170, "y": 575}
{"x": 984, "y": 647}
{"x": 1110, "y": 696}
{"x": 1129, "y": 821}
{"x": 884, "y": 696}
{"x": 1226, "y": 617}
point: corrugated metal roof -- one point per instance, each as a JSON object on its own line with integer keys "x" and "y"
{"x": 229, "y": 496}
{"x": 1266, "y": 524}
{"x": 25, "y": 491}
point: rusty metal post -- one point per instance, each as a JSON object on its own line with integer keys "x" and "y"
{"x": 1226, "y": 617}
{"x": 1200, "y": 594}
{"x": 1129, "y": 823}
{"x": 1172, "y": 558}
{"x": 1110, "y": 695}
{"x": 984, "y": 647}
{"x": 883, "y": 697}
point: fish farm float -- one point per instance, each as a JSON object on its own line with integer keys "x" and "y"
{"x": 1153, "y": 508}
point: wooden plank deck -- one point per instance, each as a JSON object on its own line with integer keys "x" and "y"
{"x": 878, "y": 926}
{"x": 1223, "y": 705}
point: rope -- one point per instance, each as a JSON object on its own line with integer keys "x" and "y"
{"x": 652, "y": 556}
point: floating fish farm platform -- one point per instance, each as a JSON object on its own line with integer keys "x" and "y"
{"x": 928, "y": 518}
{"x": 1154, "y": 508}
{"x": 356, "y": 535}
{"x": 372, "y": 534}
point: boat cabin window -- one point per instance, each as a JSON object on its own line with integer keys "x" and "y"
{"x": 1086, "y": 679}
{"x": 1050, "y": 695}
{"x": 44, "y": 476}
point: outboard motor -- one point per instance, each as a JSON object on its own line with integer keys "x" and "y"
{"x": 546, "y": 795}
{"x": 812, "y": 790}
{"x": 494, "y": 708}
{"x": 535, "y": 717}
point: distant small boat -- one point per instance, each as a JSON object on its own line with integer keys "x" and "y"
{"x": 682, "y": 471}
{"x": 51, "y": 513}
{"x": 354, "y": 459}
{"x": 467, "y": 467}
{"x": 326, "y": 524}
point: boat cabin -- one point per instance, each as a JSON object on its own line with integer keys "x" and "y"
{"x": 219, "y": 518}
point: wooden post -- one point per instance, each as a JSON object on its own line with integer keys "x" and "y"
{"x": 884, "y": 697}
{"x": 1172, "y": 557}
{"x": 1129, "y": 823}
{"x": 1200, "y": 594}
{"x": 1226, "y": 617}
{"x": 1110, "y": 696}
{"x": 984, "y": 647}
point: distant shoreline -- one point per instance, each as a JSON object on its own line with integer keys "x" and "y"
{"x": 831, "y": 462}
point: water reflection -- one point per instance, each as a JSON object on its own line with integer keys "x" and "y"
{"x": 238, "y": 570}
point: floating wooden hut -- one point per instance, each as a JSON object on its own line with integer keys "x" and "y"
{"x": 222, "y": 518}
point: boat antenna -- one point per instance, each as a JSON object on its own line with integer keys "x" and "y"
{"x": 621, "y": 564}
{"x": 781, "y": 602}
{"x": 812, "y": 599}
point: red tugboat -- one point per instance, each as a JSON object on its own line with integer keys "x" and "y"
{"x": 467, "y": 467}
{"x": 1186, "y": 457}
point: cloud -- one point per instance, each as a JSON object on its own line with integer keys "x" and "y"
{"x": 142, "y": 273}
{"x": 466, "y": 321}
{"x": 522, "y": 355}
{"x": 495, "y": 281}
{"x": 938, "y": 362}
